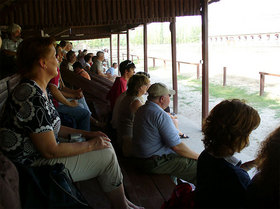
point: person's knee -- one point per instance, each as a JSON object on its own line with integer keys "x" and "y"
{"x": 83, "y": 116}
{"x": 109, "y": 156}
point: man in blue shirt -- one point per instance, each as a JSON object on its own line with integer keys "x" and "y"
{"x": 113, "y": 70}
{"x": 156, "y": 143}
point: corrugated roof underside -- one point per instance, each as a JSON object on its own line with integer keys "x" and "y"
{"x": 54, "y": 13}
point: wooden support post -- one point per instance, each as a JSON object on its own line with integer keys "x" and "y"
{"x": 127, "y": 44}
{"x": 174, "y": 64}
{"x": 225, "y": 76}
{"x": 197, "y": 71}
{"x": 111, "y": 50}
{"x": 261, "y": 83}
{"x": 205, "y": 78}
{"x": 154, "y": 62}
{"x": 118, "y": 53}
{"x": 179, "y": 70}
{"x": 145, "y": 41}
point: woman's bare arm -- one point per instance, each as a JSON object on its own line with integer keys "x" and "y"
{"x": 46, "y": 144}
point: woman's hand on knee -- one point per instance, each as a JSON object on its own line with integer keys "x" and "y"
{"x": 93, "y": 134}
{"x": 100, "y": 142}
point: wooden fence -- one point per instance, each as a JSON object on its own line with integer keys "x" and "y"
{"x": 133, "y": 56}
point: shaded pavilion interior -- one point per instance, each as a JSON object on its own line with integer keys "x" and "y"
{"x": 92, "y": 19}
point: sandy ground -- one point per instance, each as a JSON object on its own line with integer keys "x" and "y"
{"x": 190, "y": 107}
{"x": 189, "y": 115}
{"x": 244, "y": 61}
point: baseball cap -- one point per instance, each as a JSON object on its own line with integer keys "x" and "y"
{"x": 159, "y": 89}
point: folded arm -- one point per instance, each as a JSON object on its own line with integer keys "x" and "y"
{"x": 56, "y": 93}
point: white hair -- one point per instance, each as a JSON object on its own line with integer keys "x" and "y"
{"x": 14, "y": 27}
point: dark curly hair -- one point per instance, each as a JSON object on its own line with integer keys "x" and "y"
{"x": 226, "y": 130}
{"x": 268, "y": 159}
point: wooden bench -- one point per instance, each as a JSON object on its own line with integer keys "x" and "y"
{"x": 101, "y": 80}
{"x": 147, "y": 190}
{"x": 6, "y": 86}
{"x": 262, "y": 78}
{"x": 94, "y": 92}
{"x": 90, "y": 188}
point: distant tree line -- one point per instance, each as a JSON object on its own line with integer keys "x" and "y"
{"x": 156, "y": 35}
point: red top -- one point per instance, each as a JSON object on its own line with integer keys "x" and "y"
{"x": 55, "y": 81}
{"x": 118, "y": 87}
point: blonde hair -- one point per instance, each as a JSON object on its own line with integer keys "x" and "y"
{"x": 135, "y": 83}
{"x": 14, "y": 27}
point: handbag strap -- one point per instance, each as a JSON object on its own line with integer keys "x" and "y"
{"x": 68, "y": 178}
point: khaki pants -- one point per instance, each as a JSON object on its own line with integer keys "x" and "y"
{"x": 102, "y": 164}
{"x": 172, "y": 164}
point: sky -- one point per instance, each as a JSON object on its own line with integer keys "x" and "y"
{"x": 229, "y": 17}
{"x": 244, "y": 16}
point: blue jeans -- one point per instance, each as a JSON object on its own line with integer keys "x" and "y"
{"x": 79, "y": 114}
{"x": 82, "y": 103}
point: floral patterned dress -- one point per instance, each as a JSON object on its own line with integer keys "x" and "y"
{"x": 26, "y": 111}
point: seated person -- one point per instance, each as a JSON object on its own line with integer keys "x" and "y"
{"x": 69, "y": 102}
{"x": 113, "y": 70}
{"x": 81, "y": 57}
{"x": 115, "y": 113}
{"x": 30, "y": 127}
{"x": 127, "y": 70}
{"x": 264, "y": 189}
{"x": 10, "y": 44}
{"x": 7, "y": 63}
{"x": 97, "y": 65}
{"x": 67, "y": 64}
{"x": 176, "y": 123}
{"x": 69, "y": 107}
{"x": 137, "y": 86}
{"x": 156, "y": 144}
{"x": 71, "y": 94}
{"x": 78, "y": 68}
{"x": 88, "y": 61}
{"x": 221, "y": 183}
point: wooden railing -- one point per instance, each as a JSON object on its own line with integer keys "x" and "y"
{"x": 178, "y": 63}
{"x": 262, "y": 76}
{"x": 167, "y": 60}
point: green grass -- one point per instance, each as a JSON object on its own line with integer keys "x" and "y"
{"x": 230, "y": 92}
{"x": 136, "y": 61}
{"x": 184, "y": 77}
{"x": 153, "y": 68}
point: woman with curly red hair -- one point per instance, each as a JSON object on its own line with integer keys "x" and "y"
{"x": 221, "y": 183}
{"x": 264, "y": 189}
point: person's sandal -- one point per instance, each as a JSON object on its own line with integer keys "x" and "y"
{"x": 183, "y": 136}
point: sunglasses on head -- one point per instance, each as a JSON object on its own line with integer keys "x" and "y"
{"x": 129, "y": 63}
